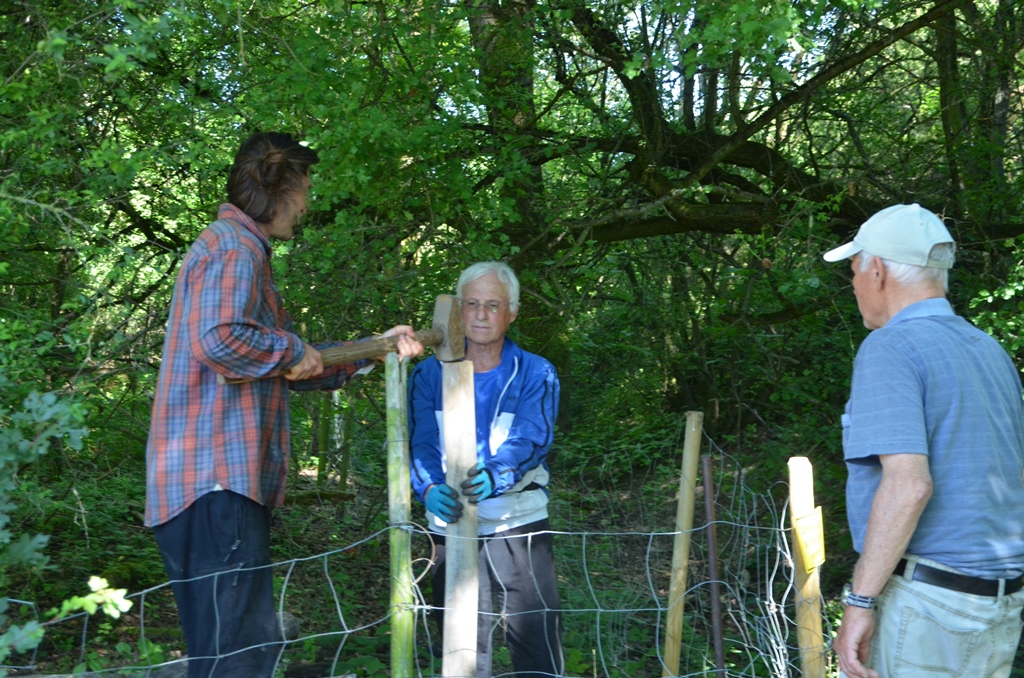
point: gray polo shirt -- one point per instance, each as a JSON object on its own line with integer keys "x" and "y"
{"x": 931, "y": 383}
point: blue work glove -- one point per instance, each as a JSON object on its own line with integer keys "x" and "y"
{"x": 443, "y": 502}
{"x": 479, "y": 485}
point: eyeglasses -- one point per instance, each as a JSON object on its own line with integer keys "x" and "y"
{"x": 492, "y": 305}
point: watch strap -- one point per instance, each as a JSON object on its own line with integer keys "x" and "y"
{"x": 852, "y": 599}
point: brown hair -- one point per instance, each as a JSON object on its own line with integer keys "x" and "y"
{"x": 269, "y": 167}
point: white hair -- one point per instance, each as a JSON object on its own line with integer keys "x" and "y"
{"x": 911, "y": 275}
{"x": 503, "y": 272}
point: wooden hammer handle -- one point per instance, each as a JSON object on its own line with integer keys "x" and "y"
{"x": 372, "y": 348}
{"x": 359, "y": 350}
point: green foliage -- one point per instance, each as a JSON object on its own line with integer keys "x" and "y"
{"x": 997, "y": 310}
{"x": 560, "y": 145}
{"x": 111, "y": 601}
{"x": 25, "y": 435}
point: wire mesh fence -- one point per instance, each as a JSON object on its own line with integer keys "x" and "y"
{"x": 613, "y": 550}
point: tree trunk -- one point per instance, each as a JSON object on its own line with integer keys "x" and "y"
{"x": 951, "y": 100}
{"x": 502, "y": 35}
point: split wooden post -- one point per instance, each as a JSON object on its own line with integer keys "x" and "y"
{"x": 681, "y": 545}
{"x": 462, "y": 570}
{"x": 403, "y": 618}
{"x": 808, "y": 554}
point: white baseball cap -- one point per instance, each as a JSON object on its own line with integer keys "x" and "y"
{"x": 904, "y": 234}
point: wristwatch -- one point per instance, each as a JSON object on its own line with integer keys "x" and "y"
{"x": 848, "y": 597}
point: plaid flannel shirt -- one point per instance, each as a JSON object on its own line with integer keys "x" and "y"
{"x": 227, "y": 319}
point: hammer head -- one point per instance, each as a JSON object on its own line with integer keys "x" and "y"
{"x": 448, "y": 319}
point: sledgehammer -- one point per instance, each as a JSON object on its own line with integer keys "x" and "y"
{"x": 446, "y": 335}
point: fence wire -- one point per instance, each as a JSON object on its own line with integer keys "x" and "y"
{"x": 613, "y": 551}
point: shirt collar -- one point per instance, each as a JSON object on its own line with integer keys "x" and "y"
{"x": 232, "y": 213}
{"x": 938, "y": 306}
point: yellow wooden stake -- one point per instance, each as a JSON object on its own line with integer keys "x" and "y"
{"x": 808, "y": 554}
{"x": 681, "y": 545}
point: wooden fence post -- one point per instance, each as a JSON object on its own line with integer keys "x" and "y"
{"x": 808, "y": 553}
{"x": 717, "y": 629}
{"x": 462, "y": 570}
{"x": 681, "y": 544}
{"x": 403, "y": 617}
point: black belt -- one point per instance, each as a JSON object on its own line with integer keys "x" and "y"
{"x": 960, "y": 582}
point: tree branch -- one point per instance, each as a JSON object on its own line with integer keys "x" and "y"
{"x": 827, "y": 74}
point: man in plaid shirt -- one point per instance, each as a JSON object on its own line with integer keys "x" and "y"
{"x": 217, "y": 455}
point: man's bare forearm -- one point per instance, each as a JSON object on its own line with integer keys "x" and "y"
{"x": 902, "y": 496}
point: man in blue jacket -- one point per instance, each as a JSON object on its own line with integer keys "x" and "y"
{"x": 516, "y": 407}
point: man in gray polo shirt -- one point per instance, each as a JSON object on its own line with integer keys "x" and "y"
{"x": 933, "y": 436}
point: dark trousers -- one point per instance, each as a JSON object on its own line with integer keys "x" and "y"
{"x": 223, "y": 606}
{"x": 518, "y": 568}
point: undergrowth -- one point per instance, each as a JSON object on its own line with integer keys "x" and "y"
{"x": 94, "y": 514}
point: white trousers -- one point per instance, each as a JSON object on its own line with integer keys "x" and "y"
{"x": 925, "y": 631}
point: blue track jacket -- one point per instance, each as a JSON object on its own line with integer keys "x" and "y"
{"x": 521, "y": 432}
